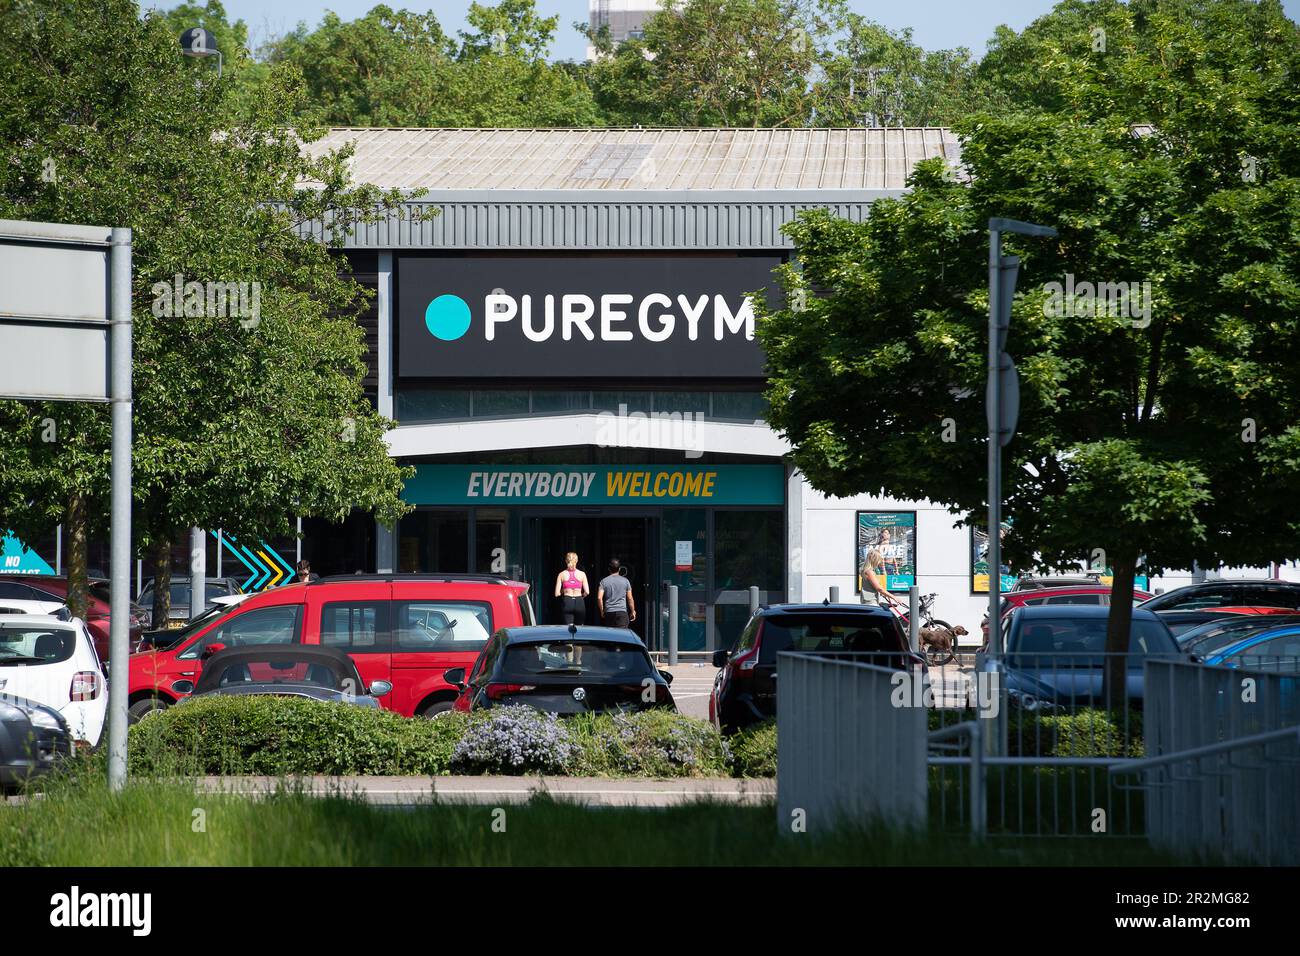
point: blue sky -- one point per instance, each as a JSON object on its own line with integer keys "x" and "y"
{"x": 936, "y": 24}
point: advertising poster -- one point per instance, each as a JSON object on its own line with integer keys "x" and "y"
{"x": 979, "y": 564}
{"x": 893, "y": 535}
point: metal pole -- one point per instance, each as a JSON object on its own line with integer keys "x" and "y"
{"x": 914, "y": 617}
{"x": 298, "y": 544}
{"x": 992, "y": 739}
{"x": 219, "y": 546}
{"x": 198, "y": 571}
{"x": 835, "y": 594}
{"x": 753, "y": 600}
{"x": 672, "y": 624}
{"x": 120, "y": 508}
{"x": 978, "y": 782}
{"x": 58, "y": 550}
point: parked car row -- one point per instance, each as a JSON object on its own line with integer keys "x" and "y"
{"x": 50, "y": 589}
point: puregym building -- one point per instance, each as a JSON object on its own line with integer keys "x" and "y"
{"x": 568, "y": 349}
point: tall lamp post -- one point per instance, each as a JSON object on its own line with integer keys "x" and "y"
{"x": 1003, "y": 401}
{"x": 199, "y": 42}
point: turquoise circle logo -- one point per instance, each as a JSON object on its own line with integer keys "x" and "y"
{"x": 447, "y": 317}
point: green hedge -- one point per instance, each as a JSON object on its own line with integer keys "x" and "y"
{"x": 272, "y": 736}
{"x": 1083, "y": 733}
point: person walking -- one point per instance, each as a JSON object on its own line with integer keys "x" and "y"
{"x": 874, "y": 580}
{"x": 614, "y": 597}
{"x": 571, "y": 588}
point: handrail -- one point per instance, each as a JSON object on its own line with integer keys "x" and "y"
{"x": 1195, "y": 753}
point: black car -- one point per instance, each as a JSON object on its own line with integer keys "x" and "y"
{"x": 33, "y": 738}
{"x": 1263, "y": 592}
{"x": 1055, "y": 656}
{"x": 563, "y": 670}
{"x": 288, "y": 670}
{"x": 744, "y": 692}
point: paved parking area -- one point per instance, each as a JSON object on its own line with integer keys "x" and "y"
{"x": 691, "y": 685}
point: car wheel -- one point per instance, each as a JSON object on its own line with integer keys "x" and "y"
{"x": 438, "y": 709}
{"x": 145, "y": 708}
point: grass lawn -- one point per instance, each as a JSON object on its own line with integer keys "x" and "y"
{"x": 81, "y": 824}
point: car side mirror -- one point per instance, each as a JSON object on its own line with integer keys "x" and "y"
{"x": 455, "y": 676}
{"x": 212, "y": 649}
{"x": 667, "y": 676}
{"x": 380, "y": 688}
{"x": 720, "y": 658}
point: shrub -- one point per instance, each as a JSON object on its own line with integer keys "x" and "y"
{"x": 515, "y": 739}
{"x": 651, "y": 743}
{"x": 753, "y": 751}
{"x": 289, "y": 735}
{"x": 1083, "y": 733}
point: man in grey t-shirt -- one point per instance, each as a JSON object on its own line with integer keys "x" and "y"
{"x": 614, "y": 598}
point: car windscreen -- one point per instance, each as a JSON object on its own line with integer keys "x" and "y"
{"x": 164, "y": 639}
{"x": 22, "y": 644}
{"x": 1080, "y": 642}
{"x": 588, "y": 659}
{"x": 859, "y": 633}
{"x": 251, "y": 670}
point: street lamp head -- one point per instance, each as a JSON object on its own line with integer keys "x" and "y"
{"x": 197, "y": 41}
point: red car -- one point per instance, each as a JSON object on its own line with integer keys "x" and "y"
{"x": 45, "y": 587}
{"x": 1083, "y": 594}
{"x": 405, "y": 629}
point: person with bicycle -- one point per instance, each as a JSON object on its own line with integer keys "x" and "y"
{"x": 874, "y": 581}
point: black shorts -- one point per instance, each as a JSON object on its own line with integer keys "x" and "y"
{"x": 616, "y": 618}
{"x": 574, "y": 610}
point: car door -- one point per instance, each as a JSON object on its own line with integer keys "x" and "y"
{"x": 432, "y": 634}
{"x": 355, "y": 620}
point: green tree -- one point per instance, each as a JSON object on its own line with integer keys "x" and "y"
{"x": 877, "y": 77}
{"x": 1165, "y": 431}
{"x": 718, "y": 63}
{"x": 243, "y": 417}
{"x": 396, "y": 68}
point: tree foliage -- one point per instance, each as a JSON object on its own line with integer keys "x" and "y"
{"x": 1171, "y": 157}
{"x": 241, "y": 421}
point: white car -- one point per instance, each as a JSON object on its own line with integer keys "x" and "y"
{"x": 23, "y": 606}
{"x": 53, "y": 662}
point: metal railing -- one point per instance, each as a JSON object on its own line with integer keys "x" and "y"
{"x": 844, "y": 750}
{"x": 1221, "y": 776}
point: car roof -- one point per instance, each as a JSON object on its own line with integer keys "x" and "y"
{"x": 1029, "y": 593}
{"x": 40, "y": 620}
{"x": 550, "y": 633}
{"x": 396, "y": 578}
{"x": 872, "y": 610}
{"x": 1257, "y": 637}
{"x": 1036, "y": 611}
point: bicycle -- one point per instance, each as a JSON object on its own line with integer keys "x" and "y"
{"x": 939, "y": 649}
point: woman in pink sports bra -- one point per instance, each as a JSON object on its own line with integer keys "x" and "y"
{"x": 572, "y": 589}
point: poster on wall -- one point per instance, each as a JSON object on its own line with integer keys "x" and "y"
{"x": 979, "y": 563}
{"x": 889, "y": 537}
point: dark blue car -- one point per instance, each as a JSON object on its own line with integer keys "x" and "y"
{"x": 1054, "y": 655}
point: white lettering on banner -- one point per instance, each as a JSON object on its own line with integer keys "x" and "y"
{"x": 493, "y": 316}
{"x": 610, "y": 315}
{"x": 742, "y": 320}
{"x": 529, "y": 484}
{"x": 472, "y": 490}
{"x": 548, "y": 315}
{"x": 516, "y": 484}
{"x": 693, "y": 315}
{"x": 543, "y": 484}
{"x": 587, "y": 479}
{"x": 569, "y": 317}
{"x": 667, "y": 320}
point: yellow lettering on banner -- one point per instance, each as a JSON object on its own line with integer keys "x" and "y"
{"x": 708, "y": 483}
{"x": 675, "y": 485}
{"x": 616, "y": 483}
{"x": 659, "y": 481}
{"x": 692, "y": 485}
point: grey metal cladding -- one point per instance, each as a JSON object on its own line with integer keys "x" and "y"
{"x": 506, "y": 221}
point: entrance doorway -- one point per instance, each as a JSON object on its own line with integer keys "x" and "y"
{"x": 633, "y": 540}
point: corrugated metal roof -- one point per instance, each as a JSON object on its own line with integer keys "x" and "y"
{"x": 603, "y": 160}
